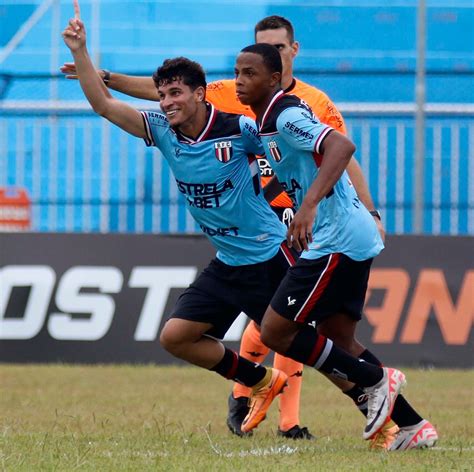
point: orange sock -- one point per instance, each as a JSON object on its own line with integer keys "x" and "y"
{"x": 253, "y": 349}
{"x": 290, "y": 398}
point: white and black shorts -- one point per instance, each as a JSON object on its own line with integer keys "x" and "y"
{"x": 313, "y": 290}
{"x": 221, "y": 291}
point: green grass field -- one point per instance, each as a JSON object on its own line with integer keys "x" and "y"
{"x": 139, "y": 418}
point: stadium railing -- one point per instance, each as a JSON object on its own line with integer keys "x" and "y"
{"x": 85, "y": 175}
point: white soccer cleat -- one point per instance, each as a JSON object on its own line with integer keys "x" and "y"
{"x": 419, "y": 436}
{"x": 381, "y": 399}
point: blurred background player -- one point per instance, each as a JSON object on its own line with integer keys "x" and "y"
{"x": 279, "y": 32}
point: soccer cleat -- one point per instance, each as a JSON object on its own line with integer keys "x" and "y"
{"x": 418, "y": 436}
{"x": 238, "y": 410}
{"x": 381, "y": 399}
{"x": 297, "y": 432}
{"x": 261, "y": 399}
{"x": 385, "y": 437}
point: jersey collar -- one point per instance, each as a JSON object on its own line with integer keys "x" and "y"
{"x": 275, "y": 98}
{"x": 291, "y": 87}
{"x": 207, "y": 128}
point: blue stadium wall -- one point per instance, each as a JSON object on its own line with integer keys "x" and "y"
{"x": 84, "y": 175}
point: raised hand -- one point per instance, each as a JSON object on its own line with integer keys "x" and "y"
{"x": 69, "y": 70}
{"x": 74, "y": 34}
{"x": 77, "y": 9}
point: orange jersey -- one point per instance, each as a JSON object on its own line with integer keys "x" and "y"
{"x": 223, "y": 96}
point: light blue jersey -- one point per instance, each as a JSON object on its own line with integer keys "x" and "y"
{"x": 219, "y": 177}
{"x": 292, "y": 139}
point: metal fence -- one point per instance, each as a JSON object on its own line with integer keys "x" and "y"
{"x": 85, "y": 175}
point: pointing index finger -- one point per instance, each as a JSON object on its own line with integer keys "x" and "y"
{"x": 77, "y": 10}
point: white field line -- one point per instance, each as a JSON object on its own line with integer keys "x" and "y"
{"x": 277, "y": 450}
{"x": 273, "y": 450}
{"x": 457, "y": 449}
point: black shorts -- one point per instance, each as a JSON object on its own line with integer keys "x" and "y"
{"x": 221, "y": 291}
{"x": 313, "y": 290}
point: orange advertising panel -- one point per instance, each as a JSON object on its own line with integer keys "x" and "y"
{"x": 430, "y": 298}
{"x": 105, "y": 297}
{"x": 15, "y": 209}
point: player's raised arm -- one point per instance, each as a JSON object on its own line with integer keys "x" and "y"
{"x": 92, "y": 85}
{"x": 134, "y": 86}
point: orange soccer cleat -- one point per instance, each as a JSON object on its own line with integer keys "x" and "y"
{"x": 384, "y": 439}
{"x": 262, "y": 397}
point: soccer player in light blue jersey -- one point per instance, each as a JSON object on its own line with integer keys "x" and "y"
{"x": 212, "y": 156}
{"x": 337, "y": 234}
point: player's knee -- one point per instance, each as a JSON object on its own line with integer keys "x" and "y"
{"x": 268, "y": 339}
{"x": 276, "y": 332}
{"x": 273, "y": 339}
{"x": 170, "y": 339}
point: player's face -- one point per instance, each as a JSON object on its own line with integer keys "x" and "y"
{"x": 253, "y": 81}
{"x": 179, "y": 102}
{"x": 279, "y": 39}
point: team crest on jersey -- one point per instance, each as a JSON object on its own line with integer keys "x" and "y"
{"x": 274, "y": 150}
{"x": 223, "y": 151}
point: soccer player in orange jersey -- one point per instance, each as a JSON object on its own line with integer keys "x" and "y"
{"x": 279, "y": 32}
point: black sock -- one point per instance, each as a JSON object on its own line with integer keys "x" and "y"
{"x": 403, "y": 413}
{"x": 369, "y": 357}
{"x": 234, "y": 367}
{"x": 359, "y": 397}
{"x": 315, "y": 350}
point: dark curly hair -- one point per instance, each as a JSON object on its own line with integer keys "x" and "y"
{"x": 270, "y": 55}
{"x": 180, "y": 68}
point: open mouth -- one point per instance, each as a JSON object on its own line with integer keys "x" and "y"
{"x": 171, "y": 113}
